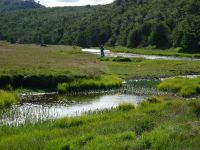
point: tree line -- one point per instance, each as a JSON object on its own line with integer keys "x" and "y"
{"x": 132, "y": 23}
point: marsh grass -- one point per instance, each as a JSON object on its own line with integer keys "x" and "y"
{"x": 183, "y": 86}
{"x": 121, "y": 59}
{"x": 169, "y": 124}
{"x": 126, "y": 107}
{"x": 104, "y": 82}
{"x": 7, "y": 99}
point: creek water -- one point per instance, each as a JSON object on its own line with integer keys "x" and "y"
{"x": 33, "y": 112}
{"x": 109, "y": 53}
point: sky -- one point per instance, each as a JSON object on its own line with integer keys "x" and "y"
{"x": 54, "y": 3}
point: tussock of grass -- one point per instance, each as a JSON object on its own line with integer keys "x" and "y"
{"x": 154, "y": 99}
{"x": 126, "y": 107}
{"x": 7, "y": 99}
{"x": 105, "y": 82}
{"x": 183, "y": 86}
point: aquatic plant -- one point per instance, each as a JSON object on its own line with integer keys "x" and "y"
{"x": 7, "y": 99}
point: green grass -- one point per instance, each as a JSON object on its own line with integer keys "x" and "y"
{"x": 171, "y": 123}
{"x": 104, "y": 82}
{"x": 33, "y": 67}
{"x": 141, "y": 68}
{"x": 183, "y": 86}
{"x": 151, "y": 51}
{"x": 7, "y": 99}
{"x": 28, "y": 59}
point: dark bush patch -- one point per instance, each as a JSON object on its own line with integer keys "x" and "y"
{"x": 121, "y": 59}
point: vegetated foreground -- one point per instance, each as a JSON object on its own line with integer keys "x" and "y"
{"x": 158, "y": 123}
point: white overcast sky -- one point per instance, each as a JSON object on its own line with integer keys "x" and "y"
{"x": 54, "y": 3}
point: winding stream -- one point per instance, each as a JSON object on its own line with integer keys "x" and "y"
{"x": 109, "y": 53}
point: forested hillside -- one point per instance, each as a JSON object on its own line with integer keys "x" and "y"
{"x": 11, "y": 5}
{"x": 131, "y": 23}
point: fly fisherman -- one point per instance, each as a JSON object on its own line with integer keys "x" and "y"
{"x": 102, "y": 51}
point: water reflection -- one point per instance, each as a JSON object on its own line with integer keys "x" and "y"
{"x": 32, "y": 113}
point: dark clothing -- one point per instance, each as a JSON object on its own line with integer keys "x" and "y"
{"x": 102, "y": 51}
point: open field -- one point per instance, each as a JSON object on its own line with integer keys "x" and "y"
{"x": 51, "y": 60}
{"x": 158, "y": 123}
{"x": 150, "y": 51}
{"x": 141, "y": 68}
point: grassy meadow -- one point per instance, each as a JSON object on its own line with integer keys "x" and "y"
{"x": 141, "y": 68}
{"x": 158, "y": 123}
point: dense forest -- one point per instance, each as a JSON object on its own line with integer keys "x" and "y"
{"x": 132, "y": 23}
{"x": 12, "y": 5}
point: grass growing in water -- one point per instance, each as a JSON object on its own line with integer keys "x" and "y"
{"x": 104, "y": 82}
{"x": 183, "y": 86}
{"x": 7, "y": 99}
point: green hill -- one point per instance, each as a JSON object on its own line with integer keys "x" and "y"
{"x": 131, "y": 23}
{"x": 11, "y": 5}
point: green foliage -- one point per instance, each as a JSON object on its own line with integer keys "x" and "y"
{"x": 134, "y": 38}
{"x": 160, "y": 36}
{"x": 183, "y": 86}
{"x": 104, "y": 82}
{"x": 7, "y": 99}
{"x": 125, "y": 22}
{"x": 187, "y": 35}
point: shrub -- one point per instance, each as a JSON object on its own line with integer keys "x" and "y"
{"x": 7, "y": 99}
{"x": 126, "y": 107}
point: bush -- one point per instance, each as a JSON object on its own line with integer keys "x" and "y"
{"x": 7, "y": 99}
